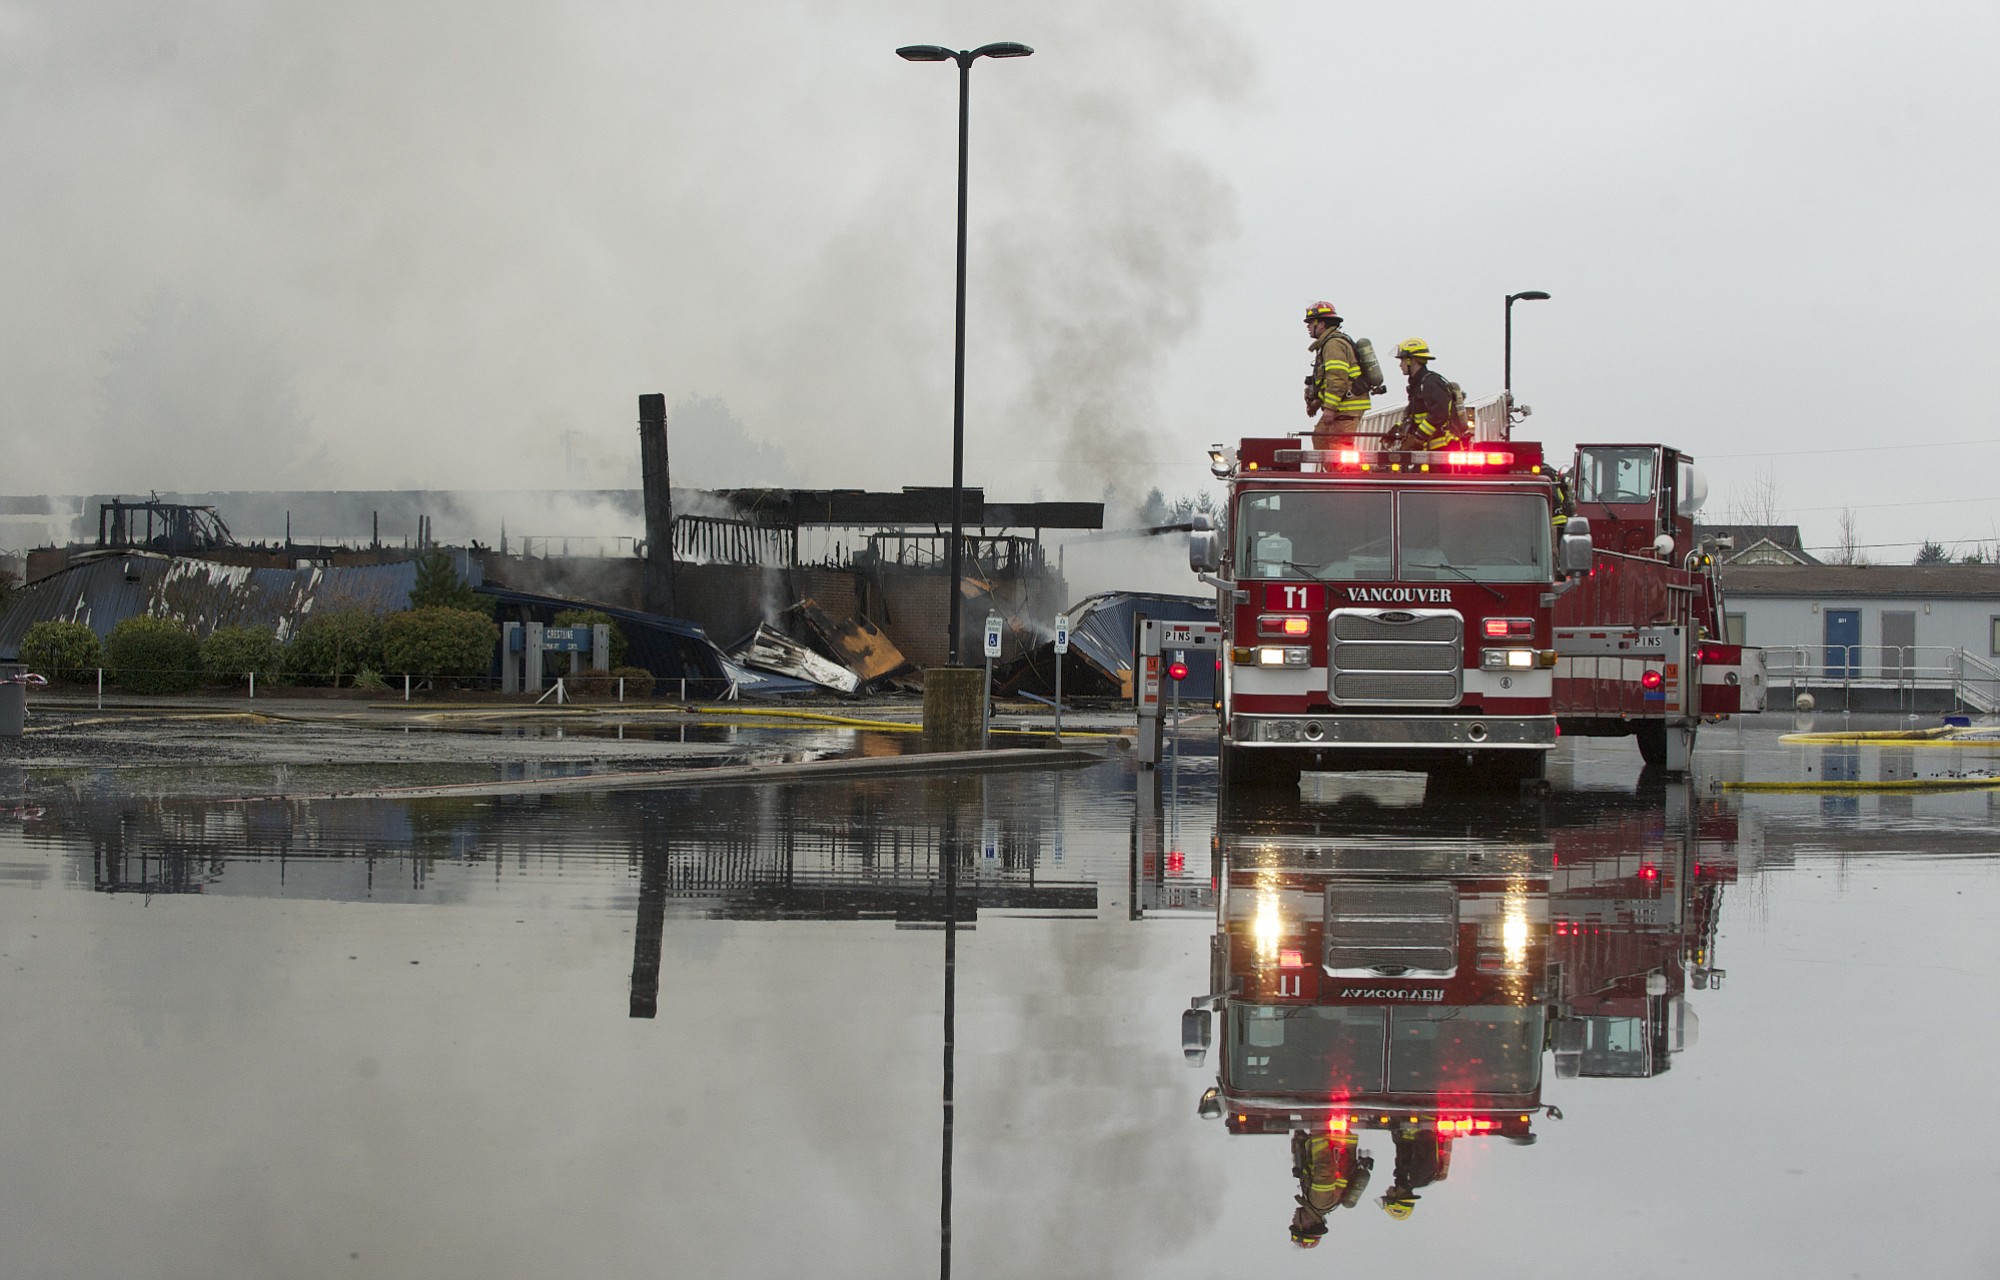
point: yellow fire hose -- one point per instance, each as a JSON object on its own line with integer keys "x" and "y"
{"x": 1899, "y": 784}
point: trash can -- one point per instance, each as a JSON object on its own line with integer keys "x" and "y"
{"x": 13, "y": 699}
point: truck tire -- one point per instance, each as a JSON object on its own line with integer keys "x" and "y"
{"x": 1652, "y": 736}
{"x": 1245, "y": 771}
{"x": 1496, "y": 771}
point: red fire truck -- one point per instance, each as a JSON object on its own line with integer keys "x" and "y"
{"x": 1640, "y": 639}
{"x": 1416, "y": 610}
{"x": 1387, "y": 609}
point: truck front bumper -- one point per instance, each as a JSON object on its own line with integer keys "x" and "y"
{"x": 1442, "y": 733}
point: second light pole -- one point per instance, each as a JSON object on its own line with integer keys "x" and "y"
{"x": 1507, "y": 353}
{"x": 964, "y": 58}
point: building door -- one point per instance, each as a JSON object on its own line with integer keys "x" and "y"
{"x": 1843, "y": 643}
{"x": 1899, "y": 643}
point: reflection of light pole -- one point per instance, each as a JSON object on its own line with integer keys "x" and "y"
{"x": 964, "y": 58}
{"x": 1507, "y": 359}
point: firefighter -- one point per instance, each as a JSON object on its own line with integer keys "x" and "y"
{"x": 1332, "y": 1174}
{"x": 1336, "y": 391}
{"x": 1421, "y": 1159}
{"x": 1428, "y": 420}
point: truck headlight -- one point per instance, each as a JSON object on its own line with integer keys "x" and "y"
{"x": 1508, "y": 659}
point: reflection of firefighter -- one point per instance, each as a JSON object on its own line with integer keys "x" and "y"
{"x": 1332, "y": 1174}
{"x": 1421, "y": 1159}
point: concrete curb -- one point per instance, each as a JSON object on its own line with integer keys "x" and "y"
{"x": 1013, "y": 758}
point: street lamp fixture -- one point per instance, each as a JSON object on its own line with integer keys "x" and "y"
{"x": 964, "y": 58}
{"x": 1507, "y": 358}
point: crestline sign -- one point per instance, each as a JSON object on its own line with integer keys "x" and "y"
{"x": 1399, "y": 595}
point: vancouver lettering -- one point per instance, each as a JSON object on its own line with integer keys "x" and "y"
{"x": 1431, "y": 994}
{"x": 1399, "y": 595}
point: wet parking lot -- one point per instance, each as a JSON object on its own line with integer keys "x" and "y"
{"x": 1633, "y": 1025}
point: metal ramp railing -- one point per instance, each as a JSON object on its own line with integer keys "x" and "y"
{"x": 1978, "y": 684}
{"x": 1973, "y": 682}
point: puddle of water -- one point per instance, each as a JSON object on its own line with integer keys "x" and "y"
{"x": 596, "y": 1034}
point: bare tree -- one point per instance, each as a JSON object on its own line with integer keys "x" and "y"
{"x": 1848, "y": 549}
{"x": 1756, "y": 500}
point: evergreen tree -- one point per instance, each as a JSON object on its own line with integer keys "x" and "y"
{"x": 439, "y": 586}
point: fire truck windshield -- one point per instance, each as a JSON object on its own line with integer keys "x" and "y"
{"x": 1487, "y": 537}
{"x": 1364, "y": 1050}
{"x": 1615, "y": 475}
{"x": 1382, "y": 535}
{"x": 1331, "y": 536}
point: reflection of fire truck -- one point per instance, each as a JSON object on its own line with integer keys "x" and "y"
{"x": 1633, "y": 914}
{"x": 1377, "y": 987}
{"x": 1386, "y": 975}
{"x": 1386, "y": 608}
{"x": 1640, "y": 640}
{"x": 1412, "y": 609}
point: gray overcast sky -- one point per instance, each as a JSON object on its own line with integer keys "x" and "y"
{"x": 375, "y": 244}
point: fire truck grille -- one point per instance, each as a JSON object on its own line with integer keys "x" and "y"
{"x": 1391, "y": 928}
{"x": 1396, "y": 657}
{"x": 1395, "y": 686}
{"x": 1392, "y": 625}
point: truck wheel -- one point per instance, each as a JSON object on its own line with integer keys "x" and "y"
{"x": 1652, "y": 737}
{"x": 1246, "y": 771}
{"x": 1512, "y": 768}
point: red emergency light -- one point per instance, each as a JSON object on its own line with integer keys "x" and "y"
{"x": 1478, "y": 458}
{"x": 1651, "y": 680}
{"x": 1463, "y": 1126}
{"x": 1647, "y": 871}
{"x": 1177, "y": 670}
{"x": 1501, "y": 628}
{"x": 1291, "y": 960}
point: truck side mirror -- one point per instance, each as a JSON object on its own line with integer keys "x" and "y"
{"x": 1196, "y": 1029}
{"x": 1576, "y": 552}
{"x": 1204, "y": 552}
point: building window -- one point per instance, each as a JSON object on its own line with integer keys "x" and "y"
{"x": 1733, "y": 629}
{"x": 1994, "y": 644}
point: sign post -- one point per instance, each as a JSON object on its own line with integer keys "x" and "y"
{"x": 1062, "y": 647}
{"x": 986, "y": 696}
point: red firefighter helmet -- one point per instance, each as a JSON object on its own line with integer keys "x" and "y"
{"x": 1321, "y": 310}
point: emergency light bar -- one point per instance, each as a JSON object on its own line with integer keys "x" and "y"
{"x": 1372, "y": 460}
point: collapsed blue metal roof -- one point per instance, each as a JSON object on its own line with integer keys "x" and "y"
{"x": 1100, "y": 646}
{"x": 670, "y": 648}
{"x": 101, "y": 593}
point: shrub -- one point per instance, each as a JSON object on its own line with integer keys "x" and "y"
{"x": 438, "y": 642}
{"x": 598, "y": 683}
{"x": 63, "y": 651}
{"x": 594, "y": 683}
{"x": 638, "y": 680}
{"x": 590, "y": 618}
{"x": 153, "y": 655}
{"x": 229, "y": 654}
{"x": 334, "y": 644}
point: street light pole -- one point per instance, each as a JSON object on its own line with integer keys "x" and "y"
{"x": 964, "y": 58}
{"x": 1507, "y": 356}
